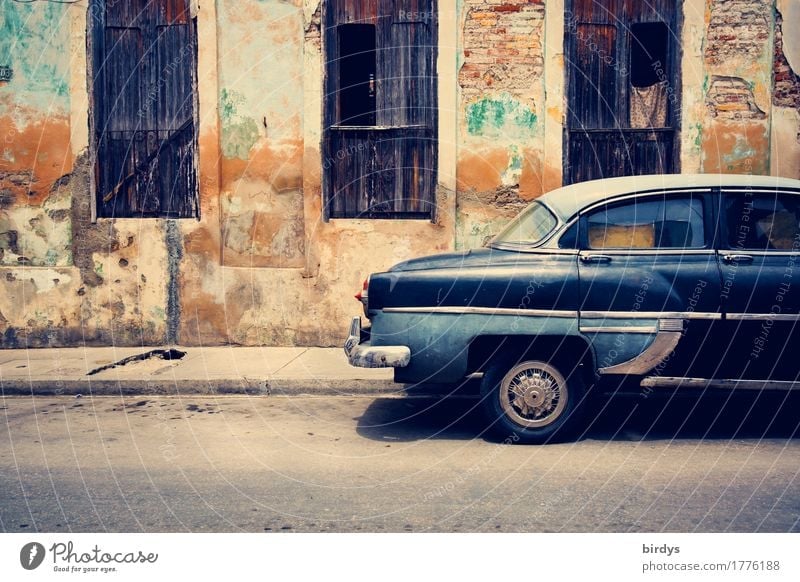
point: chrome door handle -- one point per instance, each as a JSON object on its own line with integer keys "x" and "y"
{"x": 737, "y": 258}
{"x": 595, "y": 258}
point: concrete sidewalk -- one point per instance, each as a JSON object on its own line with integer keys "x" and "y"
{"x": 201, "y": 370}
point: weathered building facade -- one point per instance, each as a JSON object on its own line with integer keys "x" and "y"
{"x": 219, "y": 171}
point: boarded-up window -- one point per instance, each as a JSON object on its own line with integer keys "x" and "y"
{"x": 144, "y": 55}
{"x": 379, "y": 143}
{"x": 623, "y": 88}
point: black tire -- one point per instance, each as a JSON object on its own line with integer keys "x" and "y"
{"x": 532, "y": 401}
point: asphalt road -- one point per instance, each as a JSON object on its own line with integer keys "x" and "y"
{"x": 286, "y": 464}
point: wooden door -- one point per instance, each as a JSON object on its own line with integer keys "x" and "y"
{"x": 144, "y": 69}
{"x": 380, "y": 136}
{"x": 623, "y": 88}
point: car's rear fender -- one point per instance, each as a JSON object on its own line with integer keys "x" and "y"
{"x": 440, "y": 342}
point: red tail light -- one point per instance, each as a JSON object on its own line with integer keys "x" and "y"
{"x": 363, "y": 295}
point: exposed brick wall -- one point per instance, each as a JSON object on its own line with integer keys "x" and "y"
{"x": 787, "y": 82}
{"x": 732, "y": 98}
{"x": 737, "y": 30}
{"x": 502, "y": 47}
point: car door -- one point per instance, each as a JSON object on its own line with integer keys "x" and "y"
{"x": 650, "y": 284}
{"x": 760, "y": 268}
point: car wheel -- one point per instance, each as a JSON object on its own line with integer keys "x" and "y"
{"x": 531, "y": 401}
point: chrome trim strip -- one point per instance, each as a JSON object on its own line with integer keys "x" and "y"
{"x": 649, "y": 315}
{"x": 619, "y": 329}
{"x": 744, "y": 189}
{"x": 618, "y": 251}
{"x": 663, "y": 325}
{"x": 666, "y": 315}
{"x": 761, "y": 253}
{"x": 540, "y": 250}
{"x": 763, "y": 316}
{"x": 455, "y": 310}
{"x": 656, "y": 352}
{"x": 670, "y": 325}
{"x": 675, "y": 382}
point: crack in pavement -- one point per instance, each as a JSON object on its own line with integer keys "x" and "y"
{"x": 168, "y": 354}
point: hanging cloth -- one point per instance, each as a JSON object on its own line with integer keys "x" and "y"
{"x": 648, "y": 106}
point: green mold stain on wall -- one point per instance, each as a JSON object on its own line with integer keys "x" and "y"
{"x": 514, "y": 170}
{"x": 229, "y": 102}
{"x": 51, "y": 258}
{"x": 697, "y": 129}
{"x": 500, "y": 116}
{"x": 33, "y": 39}
{"x": 239, "y": 134}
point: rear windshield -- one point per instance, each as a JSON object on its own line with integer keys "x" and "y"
{"x": 529, "y": 228}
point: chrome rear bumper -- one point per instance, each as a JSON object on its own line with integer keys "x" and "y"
{"x": 364, "y": 355}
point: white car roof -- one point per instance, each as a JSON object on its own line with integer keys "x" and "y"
{"x": 568, "y": 200}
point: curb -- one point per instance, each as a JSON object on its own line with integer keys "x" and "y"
{"x": 241, "y": 386}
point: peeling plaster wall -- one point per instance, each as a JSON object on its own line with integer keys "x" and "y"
{"x": 260, "y": 110}
{"x": 501, "y": 111}
{"x": 34, "y": 136}
{"x": 63, "y": 279}
{"x": 738, "y": 62}
{"x": 114, "y": 295}
{"x": 785, "y": 138}
{"x": 693, "y": 99}
{"x": 239, "y": 287}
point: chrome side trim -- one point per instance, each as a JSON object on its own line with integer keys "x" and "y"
{"x": 455, "y": 310}
{"x": 657, "y": 352}
{"x": 649, "y": 315}
{"x": 663, "y": 325}
{"x": 688, "y": 315}
{"x": 758, "y": 190}
{"x": 674, "y": 382}
{"x": 670, "y": 325}
{"x": 762, "y": 253}
{"x": 541, "y": 250}
{"x": 660, "y": 315}
{"x": 763, "y": 316}
{"x": 620, "y": 329}
{"x": 622, "y": 252}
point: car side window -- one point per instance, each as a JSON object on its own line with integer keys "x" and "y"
{"x": 652, "y": 223}
{"x": 762, "y": 222}
{"x": 569, "y": 240}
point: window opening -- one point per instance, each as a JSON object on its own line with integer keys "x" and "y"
{"x": 648, "y": 88}
{"x": 357, "y": 66}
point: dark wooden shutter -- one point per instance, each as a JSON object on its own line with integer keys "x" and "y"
{"x": 144, "y": 65}
{"x": 599, "y": 139}
{"x": 387, "y": 170}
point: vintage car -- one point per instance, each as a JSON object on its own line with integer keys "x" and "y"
{"x": 668, "y": 281}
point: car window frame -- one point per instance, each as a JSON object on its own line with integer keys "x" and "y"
{"x": 710, "y": 211}
{"x": 727, "y": 192}
{"x": 573, "y": 222}
{"x": 554, "y": 233}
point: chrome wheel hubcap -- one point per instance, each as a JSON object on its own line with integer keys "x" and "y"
{"x": 533, "y": 394}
